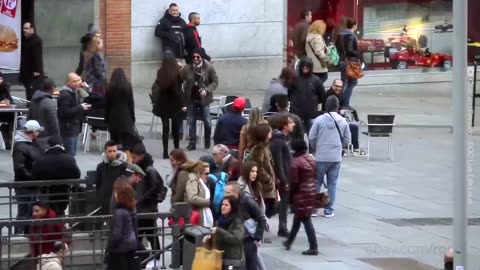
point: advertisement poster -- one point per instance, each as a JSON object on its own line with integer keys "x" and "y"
{"x": 425, "y": 26}
{"x": 10, "y": 34}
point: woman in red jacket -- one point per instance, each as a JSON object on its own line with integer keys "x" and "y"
{"x": 44, "y": 235}
{"x": 303, "y": 180}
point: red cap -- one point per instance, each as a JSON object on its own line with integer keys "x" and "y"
{"x": 239, "y": 104}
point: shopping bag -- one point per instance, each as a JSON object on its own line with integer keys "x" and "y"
{"x": 207, "y": 259}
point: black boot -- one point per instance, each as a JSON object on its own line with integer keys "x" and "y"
{"x": 165, "y": 153}
{"x": 191, "y": 147}
{"x": 208, "y": 135}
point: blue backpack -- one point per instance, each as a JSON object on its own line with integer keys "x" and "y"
{"x": 219, "y": 190}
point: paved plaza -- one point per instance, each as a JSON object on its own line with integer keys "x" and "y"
{"x": 389, "y": 215}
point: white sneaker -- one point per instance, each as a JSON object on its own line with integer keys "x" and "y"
{"x": 314, "y": 214}
{"x": 329, "y": 215}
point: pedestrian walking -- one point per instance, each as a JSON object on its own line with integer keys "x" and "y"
{"x": 316, "y": 49}
{"x": 169, "y": 102}
{"x": 302, "y": 195}
{"x": 120, "y": 111}
{"x": 246, "y": 133}
{"x": 200, "y": 82}
{"x": 94, "y": 32}
{"x": 329, "y": 133}
{"x": 94, "y": 65}
{"x": 278, "y": 87}
{"x": 197, "y": 193}
{"x": 31, "y": 60}
{"x": 300, "y": 32}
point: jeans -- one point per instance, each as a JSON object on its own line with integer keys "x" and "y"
{"x": 309, "y": 229}
{"x": 70, "y": 144}
{"x": 202, "y": 112}
{"x": 283, "y": 211}
{"x": 25, "y": 198}
{"x": 354, "y": 131}
{"x": 348, "y": 84}
{"x": 323, "y": 76}
{"x": 307, "y": 125}
{"x": 147, "y": 227}
{"x": 332, "y": 170}
{"x": 176, "y": 124}
{"x": 250, "y": 249}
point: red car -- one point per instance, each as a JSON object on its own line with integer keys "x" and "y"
{"x": 405, "y": 58}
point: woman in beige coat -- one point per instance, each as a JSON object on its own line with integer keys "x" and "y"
{"x": 316, "y": 49}
{"x": 197, "y": 193}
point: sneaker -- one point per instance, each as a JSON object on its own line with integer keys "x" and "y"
{"x": 329, "y": 215}
{"x": 191, "y": 147}
{"x": 314, "y": 214}
{"x": 310, "y": 252}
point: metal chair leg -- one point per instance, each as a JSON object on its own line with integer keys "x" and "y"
{"x": 150, "y": 130}
{"x": 85, "y": 131}
{"x": 86, "y": 145}
{"x": 391, "y": 146}
{"x": 368, "y": 148}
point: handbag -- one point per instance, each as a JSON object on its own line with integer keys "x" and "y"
{"x": 205, "y": 258}
{"x": 354, "y": 68}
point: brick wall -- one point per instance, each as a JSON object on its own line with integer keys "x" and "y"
{"x": 115, "y": 23}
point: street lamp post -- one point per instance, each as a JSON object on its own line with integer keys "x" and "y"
{"x": 460, "y": 111}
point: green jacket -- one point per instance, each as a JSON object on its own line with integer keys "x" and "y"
{"x": 231, "y": 240}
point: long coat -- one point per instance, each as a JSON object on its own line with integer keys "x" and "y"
{"x": 195, "y": 195}
{"x": 266, "y": 175}
{"x": 31, "y": 58}
{"x": 120, "y": 112}
{"x": 303, "y": 179}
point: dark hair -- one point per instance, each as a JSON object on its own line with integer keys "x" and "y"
{"x": 192, "y": 15}
{"x": 32, "y": 25}
{"x": 125, "y": 194}
{"x": 41, "y": 204}
{"x": 260, "y": 133}
{"x": 233, "y": 204}
{"x": 283, "y": 121}
{"x": 304, "y": 13}
{"x": 119, "y": 83}
{"x": 1, "y": 74}
{"x": 47, "y": 84}
{"x": 173, "y": 5}
{"x": 110, "y": 143}
{"x": 179, "y": 155}
{"x": 211, "y": 163}
{"x": 168, "y": 75}
{"x": 281, "y": 101}
{"x": 288, "y": 74}
{"x": 350, "y": 23}
{"x": 299, "y": 146}
{"x": 138, "y": 149}
{"x": 59, "y": 246}
{"x": 255, "y": 187}
{"x": 54, "y": 140}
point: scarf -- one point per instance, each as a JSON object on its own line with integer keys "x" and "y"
{"x": 223, "y": 222}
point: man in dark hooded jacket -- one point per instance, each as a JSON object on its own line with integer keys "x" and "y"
{"x": 150, "y": 191}
{"x": 56, "y": 165}
{"x": 170, "y": 29}
{"x": 306, "y": 94}
{"x": 44, "y": 109}
{"x": 282, "y": 157}
{"x": 113, "y": 165}
{"x": 192, "y": 37}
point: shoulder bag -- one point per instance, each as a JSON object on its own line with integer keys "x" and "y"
{"x": 323, "y": 63}
{"x": 354, "y": 68}
{"x": 339, "y": 133}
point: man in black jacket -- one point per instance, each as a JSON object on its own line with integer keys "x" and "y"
{"x": 24, "y": 157}
{"x": 170, "y": 30}
{"x": 254, "y": 217}
{"x": 71, "y": 112}
{"x": 306, "y": 94}
{"x": 113, "y": 165}
{"x": 31, "y": 60}
{"x": 56, "y": 165}
{"x": 227, "y": 130}
{"x": 282, "y": 157}
{"x": 192, "y": 37}
{"x": 44, "y": 109}
{"x": 150, "y": 191}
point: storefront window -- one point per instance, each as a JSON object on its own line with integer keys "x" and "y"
{"x": 395, "y": 34}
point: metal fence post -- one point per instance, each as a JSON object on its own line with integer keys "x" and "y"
{"x": 180, "y": 210}
{"x": 474, "y": 90}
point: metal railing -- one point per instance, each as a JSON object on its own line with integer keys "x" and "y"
{"x": 24, "y": 193}
{"x": 88, "y": 248}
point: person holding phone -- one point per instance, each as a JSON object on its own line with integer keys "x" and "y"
{"x": 71, "y": 112}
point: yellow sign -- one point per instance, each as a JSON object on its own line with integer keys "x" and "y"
{"x": 474, "y": 44}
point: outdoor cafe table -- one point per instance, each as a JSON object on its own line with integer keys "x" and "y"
{"x": 15, "y": 110}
